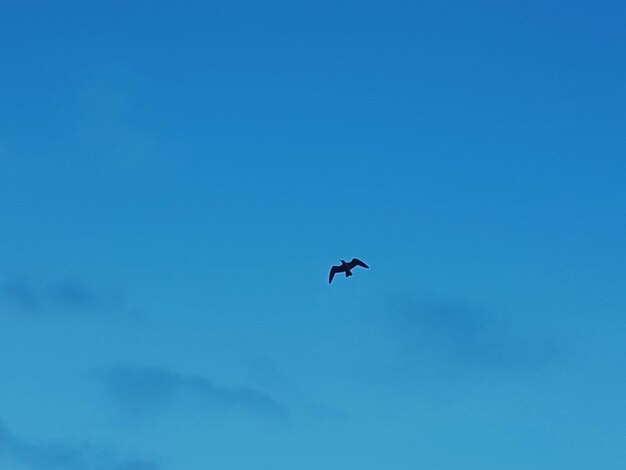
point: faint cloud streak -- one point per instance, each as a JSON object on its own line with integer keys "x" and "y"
{"x": 20, "y": 294}
{"x": 150, "y": 388}
{"x": 29, "y": 296}
{"x": 17, "y": 450}
{"x": 449, "y": 335}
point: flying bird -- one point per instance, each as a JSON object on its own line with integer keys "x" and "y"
{"x": 346, "y": 268}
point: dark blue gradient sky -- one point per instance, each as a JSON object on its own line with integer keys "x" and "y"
{"x": 176, "y": 178}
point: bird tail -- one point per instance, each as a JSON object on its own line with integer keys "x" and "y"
{"x": 348, "y": 273}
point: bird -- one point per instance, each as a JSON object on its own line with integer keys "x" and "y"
{"x": 346, "y": 268}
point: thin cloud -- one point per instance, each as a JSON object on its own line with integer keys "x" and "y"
{"x": 450, "y": 335}
{"x": 31, "y": 454}
{"x": 71, "y": 293}
{"x": 20, "y": 294}
{"x": 144, "y": 389}
{"x": 26, "y": 295}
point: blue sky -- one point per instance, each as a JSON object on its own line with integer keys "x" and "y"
{"x": 176, "y": 181}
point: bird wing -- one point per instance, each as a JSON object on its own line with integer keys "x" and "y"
{"x": 357, "y": 262}
{"x": 334, "y": 270}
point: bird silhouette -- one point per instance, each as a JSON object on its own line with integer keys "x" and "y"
{"x": 346, "y": 268}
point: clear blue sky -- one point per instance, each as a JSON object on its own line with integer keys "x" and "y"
{"x": 176, "y": 179}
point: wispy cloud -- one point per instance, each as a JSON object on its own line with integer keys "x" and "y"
{"x": 20, "y": 294}
{"x": 142, "y": 388}
{"x": 26, "y": 295}
{"x": 31, "y": 454}
{"x": 451, "y": 335}
{"x": 71, "y": 293}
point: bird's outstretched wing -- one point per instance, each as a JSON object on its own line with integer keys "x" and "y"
{"x": 357, "y": 262}
{"x": 334, "y": 270}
